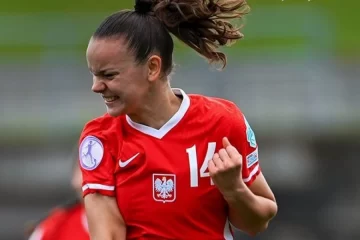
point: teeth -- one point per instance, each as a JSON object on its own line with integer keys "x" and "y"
{"x": 110, "y": 99}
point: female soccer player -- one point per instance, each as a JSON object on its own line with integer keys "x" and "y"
{"x": 67, "y": 222}
{"x": 162, "y": 164}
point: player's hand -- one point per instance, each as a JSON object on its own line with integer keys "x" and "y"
{"x": 225, "y": 169}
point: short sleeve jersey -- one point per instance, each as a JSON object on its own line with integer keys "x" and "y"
{"x": 160, "y": 176}
{"x": 63, "y": 224}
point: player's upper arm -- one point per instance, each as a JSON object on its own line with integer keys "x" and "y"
{"x": 104, "y": 219}
{"x": 243, "y": 138}
{"x": 97, "y": 154}
{"x": 261, "y": 188}
{"x": 96, "y": 159}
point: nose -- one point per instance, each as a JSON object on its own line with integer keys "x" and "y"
{"x": 98, "y": 85}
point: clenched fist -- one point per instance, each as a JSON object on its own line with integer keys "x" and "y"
{"x": 225, "y": 168}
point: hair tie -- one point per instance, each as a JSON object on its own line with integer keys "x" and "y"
{"x": 143, "y": 6}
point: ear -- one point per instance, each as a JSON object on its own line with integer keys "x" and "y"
{"x": 154, "y": 66}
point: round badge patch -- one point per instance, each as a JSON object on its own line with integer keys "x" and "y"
{"x": 91, "y": 153}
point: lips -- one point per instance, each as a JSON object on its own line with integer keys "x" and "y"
{"x": 110, "y": 98}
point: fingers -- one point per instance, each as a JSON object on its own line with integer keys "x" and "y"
{"x": 226, "y": 143}
{"x": 217, "y": 161}
{"x": 221, "y": 160}
{"x": 226, "y": 157}
{"x": 212, "y": 168}
{"x": 232, "y": 152}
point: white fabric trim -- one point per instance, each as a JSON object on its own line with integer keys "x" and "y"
{"x": 84, "y": 221}
{"x": 227, "y": 231}
{"x": 160, "y": 133}
{"x": 37, "y": 234}
{"x": 97, "y": 187}
{"x": 252, "y": 173}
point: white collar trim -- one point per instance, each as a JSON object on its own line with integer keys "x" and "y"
{"x": 160, "y": 133}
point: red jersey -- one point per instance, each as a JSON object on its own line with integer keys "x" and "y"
{"x": 63, "y": 224}
{"x": 160, "y": 176}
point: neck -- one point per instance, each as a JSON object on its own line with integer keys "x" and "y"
{"x": 158, "y": 108}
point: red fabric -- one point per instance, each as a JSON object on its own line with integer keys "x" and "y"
{"x": 186, "y": 209}
{"x": 63, "y": 224}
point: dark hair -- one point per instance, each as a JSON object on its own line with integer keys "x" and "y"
{"x": 201, "y": 24}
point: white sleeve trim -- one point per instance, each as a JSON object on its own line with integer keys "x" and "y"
{"x": 252, "y": 173}
{"x": 97, "y": 187}
{"x": 37, "y": 234}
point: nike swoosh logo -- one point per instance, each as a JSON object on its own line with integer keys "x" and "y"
{"x": 125, "y": 163}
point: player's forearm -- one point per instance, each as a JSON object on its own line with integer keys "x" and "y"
{"x": 106, "y": 236}
{"x": 107, "y": 232}
{"x": 249, "y": 212}
{"x": 104, "y": 219}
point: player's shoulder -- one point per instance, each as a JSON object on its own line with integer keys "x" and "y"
{"x": 102, "y": 127}
{"x": 99, "y": 124}
{"x": 215, "y": 106}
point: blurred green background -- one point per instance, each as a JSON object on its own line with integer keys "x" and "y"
{"x": 298, "y": 20}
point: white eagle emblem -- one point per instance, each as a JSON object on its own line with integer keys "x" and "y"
{"x": 164, "y": 187}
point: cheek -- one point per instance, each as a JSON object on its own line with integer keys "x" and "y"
{"x": 131, "y": 85}
{"x": 138, "y": 85}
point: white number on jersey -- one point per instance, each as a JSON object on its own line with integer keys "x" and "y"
{"x": 193, "y": 162}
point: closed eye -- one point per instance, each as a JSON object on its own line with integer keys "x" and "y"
{"x": 109, "y": 75}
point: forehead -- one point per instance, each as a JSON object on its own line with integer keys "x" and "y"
{"x": 107, "y": 52}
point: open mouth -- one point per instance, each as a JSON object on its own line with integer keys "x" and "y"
{"x": 110, "y": 99}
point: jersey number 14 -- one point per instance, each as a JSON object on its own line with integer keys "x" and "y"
{"x": 193, "y": 162}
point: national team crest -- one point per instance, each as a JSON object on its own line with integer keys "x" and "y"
{"x": 164, "y": 187}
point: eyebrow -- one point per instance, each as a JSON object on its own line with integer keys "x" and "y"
{"x": 103, "y": 71}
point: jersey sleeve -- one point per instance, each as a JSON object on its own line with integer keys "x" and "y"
{"x": 243, "y": 138}
{"x": 96, "y": 160}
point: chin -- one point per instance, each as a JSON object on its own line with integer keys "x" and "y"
{"x": 115, "y": 112}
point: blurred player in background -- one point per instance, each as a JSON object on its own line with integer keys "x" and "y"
{"x": 162, "y": 164}
{"x": 66, "y": 222}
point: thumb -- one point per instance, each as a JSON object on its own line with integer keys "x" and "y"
{"x": 225, "y": 142}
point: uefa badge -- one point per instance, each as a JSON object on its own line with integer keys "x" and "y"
{"x": 250, "y": 135}
{"x": 90, "y": 153}
{"x": 164, "y": 187}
